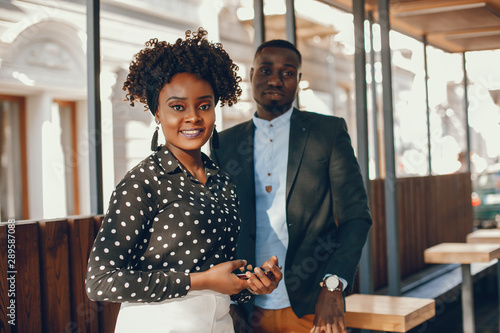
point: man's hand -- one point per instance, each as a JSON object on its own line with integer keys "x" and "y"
{"x": 262, "y": 284}
{"x": 329, "y": 313}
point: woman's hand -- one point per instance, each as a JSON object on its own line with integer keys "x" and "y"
{"x": 220, "y": 278}
{"x": 260, "y": 283}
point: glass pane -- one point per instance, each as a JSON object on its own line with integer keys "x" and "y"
{"x": 447, "y": 111}
{"x": 275, "y": 22}
{"x": 410, "y": 109}
{"x": 10, "y": 177}
{"x": 67, "y": 156}
{"x": 325, "y": 37}
{"x": 484, "y": 110}
{"x": 66, "y": 116}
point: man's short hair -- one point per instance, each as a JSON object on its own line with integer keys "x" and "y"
{"x": 279, "y": 43}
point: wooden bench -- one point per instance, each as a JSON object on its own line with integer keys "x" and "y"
{"x": 387, "y": 313}
{"x": 464, "y": 254}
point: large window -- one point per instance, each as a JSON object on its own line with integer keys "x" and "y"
{"x": 13, "y": 179}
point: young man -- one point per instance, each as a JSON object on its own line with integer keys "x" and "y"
{"x": 302, "y": 199}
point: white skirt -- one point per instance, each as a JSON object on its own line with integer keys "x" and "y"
{"x": 199, "y": 311}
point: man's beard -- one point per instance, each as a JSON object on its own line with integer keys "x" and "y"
{"x": 274, "y": 108}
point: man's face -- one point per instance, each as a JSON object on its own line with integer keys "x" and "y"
{"x": 275, "y": 77}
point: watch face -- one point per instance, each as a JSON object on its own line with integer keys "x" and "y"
{"x": 332, "y": 282}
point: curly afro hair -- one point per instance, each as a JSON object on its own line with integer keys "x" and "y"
{"x": 155, "y": 65}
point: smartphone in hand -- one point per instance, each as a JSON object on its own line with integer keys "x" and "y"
{"x": 243, "y": 276}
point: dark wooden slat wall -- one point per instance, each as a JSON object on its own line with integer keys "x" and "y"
{"x": 51, "y": 261}
{"x": 28, "y": 283}
{"x": 54, "y": 258}
{"x": 81, "y": 237}
{"x": 51, "y": 256}
{"x": 378, "y": 233}
{"x": 432, "y": 210}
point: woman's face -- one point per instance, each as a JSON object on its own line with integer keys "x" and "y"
{"x": 186, "y": 111}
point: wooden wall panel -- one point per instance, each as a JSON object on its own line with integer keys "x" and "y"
{"x": 28, "y": 278}
{"x": 81, "y": 237}
{"x": 108, "y": 312}
{"x": 378, "y": 232}
{"x": 431, "y": 210}
{"x": 55, "y": 276}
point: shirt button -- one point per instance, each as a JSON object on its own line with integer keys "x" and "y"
{"x": 271, "y": 125}
{"x": 271, "y": 140}
{"x": 268, "y": 174}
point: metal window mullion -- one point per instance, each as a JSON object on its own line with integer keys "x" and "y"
{"x": 366, "y": 261}
{"x": 258, "y": 23}
{"x": 291, "y": 28}
{"x": 428, "y": 109}
{"x": 391, "y": 209}
{"x": 94, "y": 107}
{"x": 376, "y": 152}
{"x": 466, "y": 106}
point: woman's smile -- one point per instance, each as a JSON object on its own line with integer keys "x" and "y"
{"x": 192, "y": 133}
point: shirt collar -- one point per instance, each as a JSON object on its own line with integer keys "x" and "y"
{"x": 211, "y": 168}
{"x": 280, "y": 121}
{"x": 169, "y": 163}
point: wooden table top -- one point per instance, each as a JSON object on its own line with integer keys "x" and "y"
{"x": 462, "y": 253}
{"x": 387, "y": 313}
{"x": 484, "y": 236}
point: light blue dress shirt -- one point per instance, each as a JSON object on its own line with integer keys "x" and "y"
{"x": 270, "y": 163}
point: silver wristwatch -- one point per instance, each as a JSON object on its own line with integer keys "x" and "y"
{"x": 332, "y": 283}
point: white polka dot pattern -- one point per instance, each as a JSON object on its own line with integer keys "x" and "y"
{"x": 162, "y": 223}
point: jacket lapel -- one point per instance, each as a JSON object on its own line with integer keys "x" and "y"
{"x": 244, "y": 151}
{"x": 246, "y": 189}
{"x": 299, "y": 131}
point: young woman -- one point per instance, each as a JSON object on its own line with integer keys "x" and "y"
{"x": 167, "y": 243}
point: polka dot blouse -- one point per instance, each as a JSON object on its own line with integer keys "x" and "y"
{"x": 162, "y": 224}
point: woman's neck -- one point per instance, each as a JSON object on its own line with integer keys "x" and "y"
{"x": 192, "y": 161}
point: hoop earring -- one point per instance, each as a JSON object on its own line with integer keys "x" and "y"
{"x": 154, "y": 141}
{"x": 214, "y": 143}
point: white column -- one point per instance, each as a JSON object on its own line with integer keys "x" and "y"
{"x": 36, "y": 114}
{"x": 108, "y": 169}
{"x": 46, "y": 177}
{"x": 82, "y": 153}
